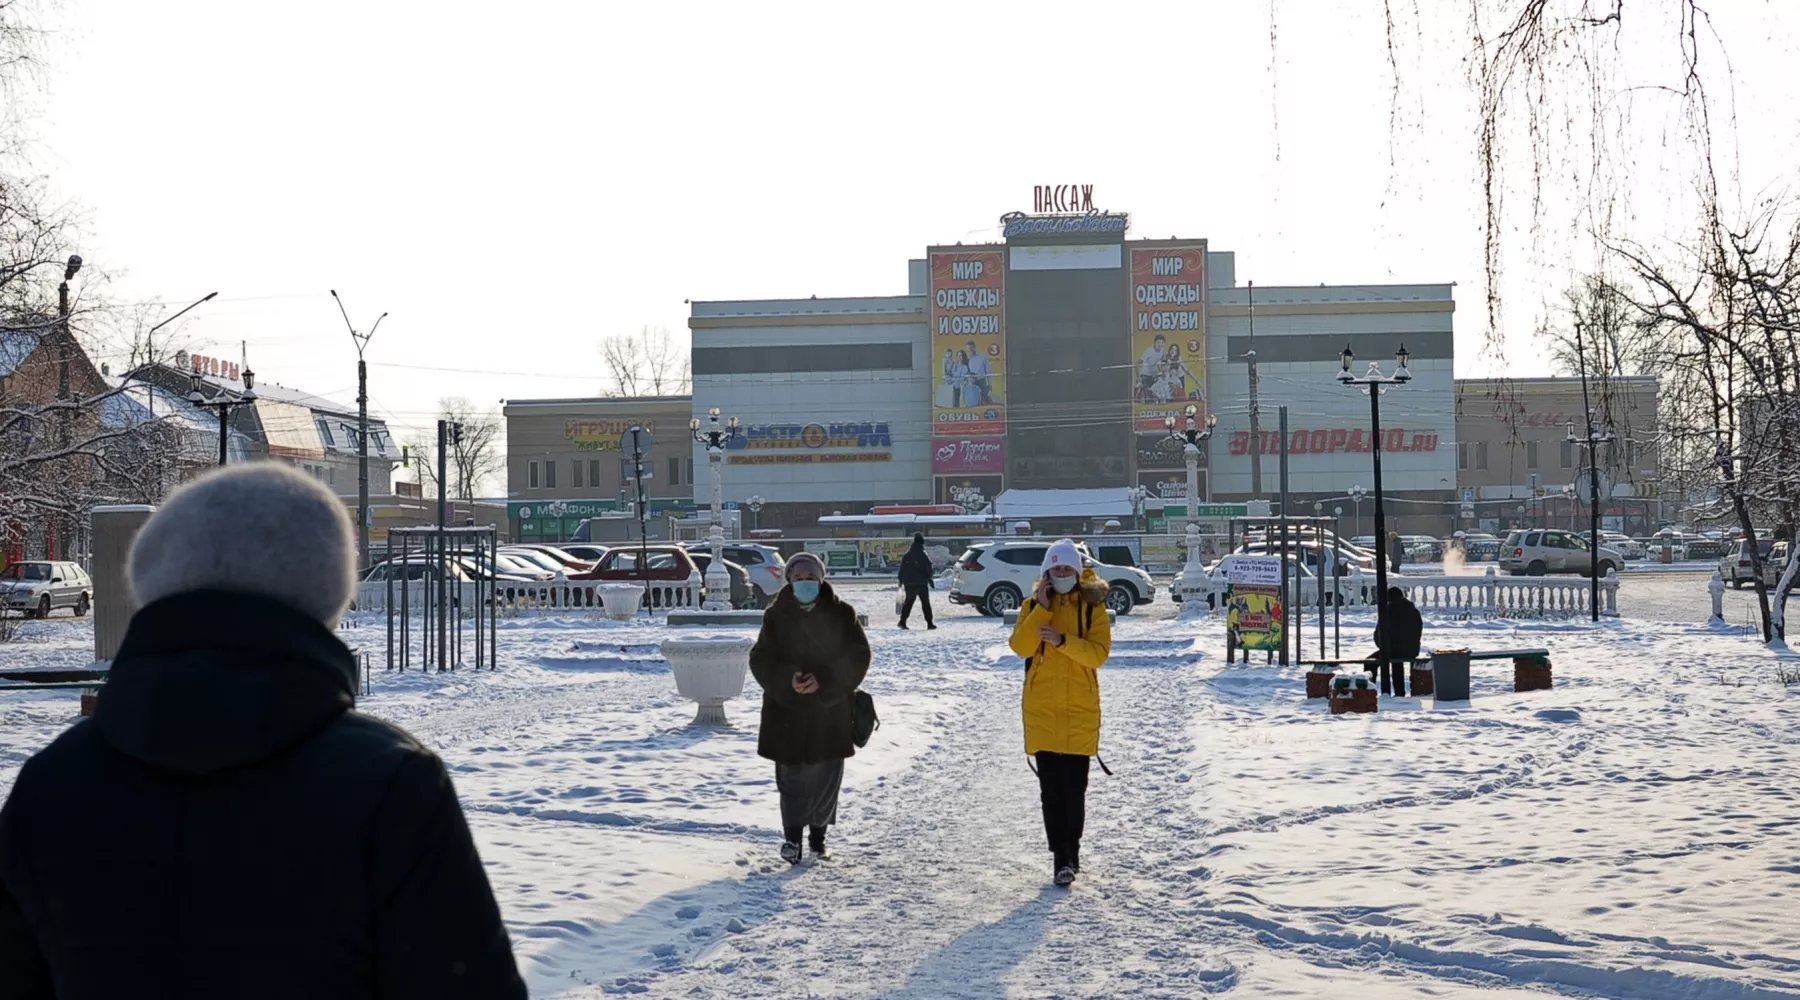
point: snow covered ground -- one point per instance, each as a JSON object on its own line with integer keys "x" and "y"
{"x": 1633, "y": 833}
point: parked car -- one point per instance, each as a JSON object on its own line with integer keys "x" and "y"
{"x": 1706, "y": 545}
{"x": 465, "y": 570}
{"x": 743, "y": 593}
{"x": 995, "y": 577}
{"x": 1776, "y": 565}
{"x": 1423, "y": 548}
{"x": 664, "y": 563}
{"x": 768, "y": 570}
{"x": 1736, "y": 566}
{"x": 38, "y": 588}
{"x": 1628, "y": 546}
{"x": 539, "y": 561}
{"x": 586, "y": 553}
{"x": 1537, "y": 552}
{"x": 560, "y": 560}
{"x": 1478, "y": 546}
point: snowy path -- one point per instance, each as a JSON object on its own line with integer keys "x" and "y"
{"x": 1634, "y": 833}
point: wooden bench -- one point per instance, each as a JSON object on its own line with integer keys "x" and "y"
{"x": 87, "y": 680}
{"x": 1531, "y": 670}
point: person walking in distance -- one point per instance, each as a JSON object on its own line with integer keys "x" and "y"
{"x": 227, "y": 825}
{"x": 1065, "y": 637}
{"x": 915, "y": 578}
{"x": 809, "y": 659}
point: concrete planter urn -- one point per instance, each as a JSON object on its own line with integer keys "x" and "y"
{"x": 710, "y": 670}
{"x": 620, "y": 600}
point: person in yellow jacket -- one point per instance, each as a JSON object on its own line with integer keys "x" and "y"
{"x": 1064, "y": 635}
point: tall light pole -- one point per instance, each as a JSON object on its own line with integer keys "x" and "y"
{"x": 1593, "y": 441}
{"x": 756, "y": 505}
{"x": 1374, "y": 383}
{"x": 224, "y": 403}
{"x": 1190, "y": 436}
{"x": 715, "y": 438}
{"x": 361, "y": 340}
{"x": 1357, "y": 493}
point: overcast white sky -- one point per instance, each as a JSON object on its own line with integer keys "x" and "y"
{"x": 514, "y": 182}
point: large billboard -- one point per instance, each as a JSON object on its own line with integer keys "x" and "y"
{"x": 968, "y": 338}
{"x": 1168, "y": 343}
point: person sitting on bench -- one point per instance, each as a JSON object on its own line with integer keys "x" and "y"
{"x": 1396, "y": 638}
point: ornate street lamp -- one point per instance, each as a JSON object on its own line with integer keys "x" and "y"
{"x": 1374, "y": 383}
{"x": 716, "y": 437}
{"x": 224, "y": 404}
{"x": 1189, "y": 437}
{"x": 1593, "y": 442}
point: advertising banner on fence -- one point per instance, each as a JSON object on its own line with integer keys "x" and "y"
{"x": 968, "y": 456}
{"x": 1253, "y": 616}
{"x": 1168, "y": 338}
{"x": 968, "y": 341}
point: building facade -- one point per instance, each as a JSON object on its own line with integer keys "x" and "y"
{"x": 571, "y": 459}
{"x": 833, "y": 398}
{"x": 1516, "y": 466}
{"x": 1053, "y": 359}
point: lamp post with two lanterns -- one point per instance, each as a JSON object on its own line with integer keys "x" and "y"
{"x": 715, "y": 438}
{"x": 1189, "y": 437}
{"x": 1374, "y": 383}
{"x": 224, "y": 403}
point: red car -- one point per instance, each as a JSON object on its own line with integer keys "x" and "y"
{"x": 663, "y": 562}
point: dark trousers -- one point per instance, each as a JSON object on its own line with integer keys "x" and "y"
{"x": 809, "y": 795}
{"x": 1380, "y": 671}
{"x": 1062, "y": 783}
{"x": 916, "y": 592}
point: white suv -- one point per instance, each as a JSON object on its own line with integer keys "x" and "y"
{"x": 768, "y": 570}
{"x": 996, "y": 577}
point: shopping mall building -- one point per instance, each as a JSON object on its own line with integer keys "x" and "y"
{"x": 1051, "y": 360}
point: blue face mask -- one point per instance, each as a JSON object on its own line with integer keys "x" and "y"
{"x": 806, "y": 591}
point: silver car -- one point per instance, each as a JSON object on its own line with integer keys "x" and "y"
{"x": 38, "y": 588}
{"x": 1537, "y": 552}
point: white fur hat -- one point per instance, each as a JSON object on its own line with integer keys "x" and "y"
{"x": 260, "y": 528}
{"x": 1062, "y": 553}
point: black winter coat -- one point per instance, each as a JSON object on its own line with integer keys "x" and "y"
{"x": 826, "y": 642}
{"x": 915, "y": 568}
{"x": 1401, "y": 630}
{"x": 225, "y": 826}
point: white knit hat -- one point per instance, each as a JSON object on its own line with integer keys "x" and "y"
{"x": 1062, "y": 553}
{"x": 261, "y": 528}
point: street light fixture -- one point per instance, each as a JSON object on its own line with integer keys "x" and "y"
{"x": 223, "y": 404}
{"x": 1189, "y": 437}
{"x": 755, "y": 504}
{"x": 1593, "y": 442}
{"x": 1374, "y": 383}
{"x": 361, "y": 340}
{"x": 716, "y": 438}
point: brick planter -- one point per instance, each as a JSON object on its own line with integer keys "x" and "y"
{"x": 1423, "y": 682}
{"x": 1318, "y": 685}
{"x": 1359, "y": 701}
{"x": 1531, "y": 675}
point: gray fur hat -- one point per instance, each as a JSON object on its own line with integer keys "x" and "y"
{"x": 806, "y": 560}
{"x": 260, "y": 528}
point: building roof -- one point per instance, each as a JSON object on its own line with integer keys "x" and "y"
{"x": 15, "y": 347}
{"x": 602, "y": 401}
{"x": 1027, "y": 504}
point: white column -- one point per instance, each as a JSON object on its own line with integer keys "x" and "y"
{"x": 718, "y": 580}
{"x": 1193, "y": 575}
{"x": 1717, "y": 589}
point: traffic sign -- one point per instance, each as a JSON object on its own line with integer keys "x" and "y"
{"x": 1468, "y": 494}
{"x": 636, "y": 438}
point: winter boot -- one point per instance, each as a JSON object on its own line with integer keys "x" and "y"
{"x": 1065, "y": 876}
{"x": 790, "y": 846}
{"x": 1072, "y": 857}
{"x": 816, "y": 840}
{"x": 902, "y": 624}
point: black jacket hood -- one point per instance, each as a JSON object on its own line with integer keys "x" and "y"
{"x": 210, "y": 680}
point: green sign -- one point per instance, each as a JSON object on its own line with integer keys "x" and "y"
{"x": 1208, "y": 510}
{"x": 843, "y": 559}
{"x": 528, "y": 510}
